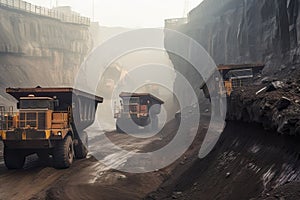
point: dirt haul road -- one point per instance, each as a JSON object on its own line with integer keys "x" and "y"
{"x": 90, "y": 178}
{"x": 86, "y": 179}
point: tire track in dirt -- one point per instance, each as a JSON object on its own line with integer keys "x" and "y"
{"x": 84, "y": 180}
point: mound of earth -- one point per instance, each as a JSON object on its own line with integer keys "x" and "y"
{"x": 247, "y": 163}
{"x": 277, "y": 109}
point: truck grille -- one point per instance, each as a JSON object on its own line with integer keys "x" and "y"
{"x": 35, "y": 135}
{"x": 10, "y": 135}
{"x": 33, "y": 120}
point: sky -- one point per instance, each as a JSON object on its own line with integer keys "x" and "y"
{"x": 126, "y": 13}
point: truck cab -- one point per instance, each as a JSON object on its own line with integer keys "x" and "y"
{"x": 35, "y": 112}
{"x": 137, "y": 110}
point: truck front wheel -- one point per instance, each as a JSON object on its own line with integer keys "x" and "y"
{"x": 63, "y": 153}
{"x": 81, "y": 149}
{"x": 154, "y": 123}
{"x": 119, "y": 130}
{"x": 13, "y": 158}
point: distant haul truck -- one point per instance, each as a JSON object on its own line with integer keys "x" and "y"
{"x": 137, "y": 110}
{"x": 50, "y": 121}
{"x": 234, "y": 76}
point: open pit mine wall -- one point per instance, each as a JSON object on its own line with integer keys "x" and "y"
{"x": 243, "y": 31}
{"x": 36, "y": 50}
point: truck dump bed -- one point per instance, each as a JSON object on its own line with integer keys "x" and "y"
{"x": 63, "y": 94}
{"x": 83, "y": 104}
{"x": 148, "y": 95}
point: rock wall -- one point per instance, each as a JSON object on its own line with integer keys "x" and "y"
{"x": 250, "y": 31}
{"x": 244, "y": 31}
{"x": 36, "y": 50}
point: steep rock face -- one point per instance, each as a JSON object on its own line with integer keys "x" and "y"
{"x": 250, "y": 31}
{"x": 36, "y": 50}
{"x": 244, "y": 31}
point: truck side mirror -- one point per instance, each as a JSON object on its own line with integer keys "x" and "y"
{"x": 18, "y": 105}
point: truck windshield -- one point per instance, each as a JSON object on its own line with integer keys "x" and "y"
{"x": 238, "y": 74}
{"x": 36, "y": 104}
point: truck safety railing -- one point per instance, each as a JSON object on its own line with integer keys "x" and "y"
{"x": 6, "y": 118}
{"x": 7, "y": 121}
{"x": 73, "y": 18}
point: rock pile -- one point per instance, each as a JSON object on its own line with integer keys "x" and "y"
{"x": 277, "y": 109}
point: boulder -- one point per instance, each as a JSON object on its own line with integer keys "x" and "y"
{"x": 283, "y": 103}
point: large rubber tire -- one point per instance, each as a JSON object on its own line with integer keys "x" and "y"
{"x": 81, "y": 149}
{"x": 147, "y": 129}
{"x": 155, "y": 109}
{"x": 127, "y": 125}
{"x": 154, "y": 123}
{"x": 118, "y": 129}
{"x": 13, "y": 158}
{"x": 63, "y": 153}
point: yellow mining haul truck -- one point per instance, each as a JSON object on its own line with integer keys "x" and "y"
{"x": 234, "y": 76}
{"x": 50, "y": 121}
{"x": 137, "y": 110}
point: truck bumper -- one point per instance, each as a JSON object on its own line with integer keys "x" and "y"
{"x": 24, "y": 135}
{"x": 29, "y": 139}
{"x": 33, "y": 144}
{"x": 133, "y": 121}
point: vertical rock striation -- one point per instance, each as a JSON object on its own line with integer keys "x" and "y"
{"x": 244, "y": 31}
{"x": 36, "y": 50}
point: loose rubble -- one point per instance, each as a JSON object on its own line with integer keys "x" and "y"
{"x": 277, "y": 107}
